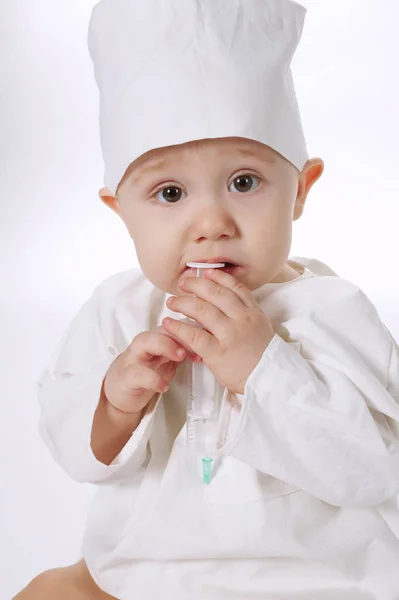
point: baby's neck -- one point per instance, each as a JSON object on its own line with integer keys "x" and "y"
{"x": 287, "y": 273}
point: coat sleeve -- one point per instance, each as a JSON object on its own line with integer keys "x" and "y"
{"x": 68, "y": 392}
{"x": 322, "y": 413}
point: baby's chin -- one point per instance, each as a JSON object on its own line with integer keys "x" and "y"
{"x": 170, "y": 286}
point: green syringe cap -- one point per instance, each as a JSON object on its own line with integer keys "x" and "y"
{"x": 207, "y": 469}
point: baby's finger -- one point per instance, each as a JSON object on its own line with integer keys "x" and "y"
{"x": 148, "y": 344}
{"x": 194, "y": 357}
{"x": 168, "y": 370}
{"x": 139, "y": 378}
{"x": 190, "y": 355}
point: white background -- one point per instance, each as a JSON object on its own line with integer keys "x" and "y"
{"x": 58, "y": 241}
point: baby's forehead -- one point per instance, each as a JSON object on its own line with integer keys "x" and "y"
{"x": 220, "y": 147}
{"x": 230, "y": 144}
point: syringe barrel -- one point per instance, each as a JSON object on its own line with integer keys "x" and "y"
{"x": 205, "y": 395}
{"x": 201, "y": 436}
{"x": 203, "y": 399}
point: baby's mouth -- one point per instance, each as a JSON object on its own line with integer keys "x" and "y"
{"x": 228, "y": 268}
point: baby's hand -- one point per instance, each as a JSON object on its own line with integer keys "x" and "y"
{"x": 146, "y": 367}
{"x": 235, "y": 331}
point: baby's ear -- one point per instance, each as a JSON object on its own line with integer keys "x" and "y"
{"x": 311, "y": 172}
{"x": 105, "y": 192}
{"x": 109, "y": 199}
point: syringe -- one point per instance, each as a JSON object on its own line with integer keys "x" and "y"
{"x": 203, "y": 407}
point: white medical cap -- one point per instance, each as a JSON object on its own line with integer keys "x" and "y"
{"x": 174, "y": 71}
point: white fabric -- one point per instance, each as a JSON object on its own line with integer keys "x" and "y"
{"x": 173, "y": 71}
{"x": 308, "y": 462}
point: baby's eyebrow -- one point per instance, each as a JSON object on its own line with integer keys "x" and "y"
{"x": 270, "y": 158}
{"x": 157, "y": 163}
{"x": 148, "y": 168}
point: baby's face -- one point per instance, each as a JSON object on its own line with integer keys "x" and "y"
{"x": 228, "y": 197}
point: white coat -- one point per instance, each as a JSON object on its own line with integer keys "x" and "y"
{"x": 303, "y": 499}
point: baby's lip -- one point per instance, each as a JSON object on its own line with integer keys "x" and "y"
{"x": 193, "y": 271}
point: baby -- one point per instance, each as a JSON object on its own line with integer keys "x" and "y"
{"x": 302, "y": 500}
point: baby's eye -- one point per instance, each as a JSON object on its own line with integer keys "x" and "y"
{"x": 171, "y": 194}
{"x": 244, "y": 182}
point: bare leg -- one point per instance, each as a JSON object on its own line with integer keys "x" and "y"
{"x": 67, "y": 583}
